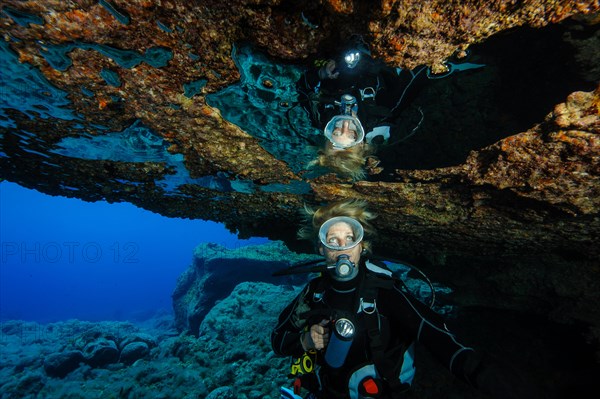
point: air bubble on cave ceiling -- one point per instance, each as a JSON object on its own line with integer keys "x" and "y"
{"x": 265, "y": 104}
{"x": 138, "y": 143}
{"x": 25, "y": 89}
{"x": 57, "y": 55}
{"x": 23, "y": 85}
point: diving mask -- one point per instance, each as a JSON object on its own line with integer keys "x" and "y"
{"x": 344, "y": 131}
{"x": 346, "y": 233}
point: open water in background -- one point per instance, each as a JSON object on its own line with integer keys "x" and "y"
{"x": 64, "y": 258}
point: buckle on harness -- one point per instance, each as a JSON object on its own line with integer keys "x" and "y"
{"x": 367, "y": 92}
{"x": 368, "y": 308}
{"x": 317, "y": 87}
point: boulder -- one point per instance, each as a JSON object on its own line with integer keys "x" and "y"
{"x": 134, "y": 351}
{"x": 62, "y": 363}
{"x": 148, "y": 339}
{"x": 101, "y": 352}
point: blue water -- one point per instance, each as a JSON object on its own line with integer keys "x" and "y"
{"x": 65, "y": 258}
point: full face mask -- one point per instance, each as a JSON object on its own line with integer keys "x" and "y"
{"x": 344, "y": 131}
{"x": 350, "y": 235}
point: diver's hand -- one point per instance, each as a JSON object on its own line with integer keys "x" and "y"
{"x": 317, "y": 337}
{"x": 328, "y": 71}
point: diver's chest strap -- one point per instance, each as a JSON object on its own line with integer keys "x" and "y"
{"x": 386, "y": 367}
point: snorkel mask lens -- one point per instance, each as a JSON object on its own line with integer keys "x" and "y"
{"x": 343, "y": 240}
{"x": 351, "y": 58}
{"x": 344, "y": 131}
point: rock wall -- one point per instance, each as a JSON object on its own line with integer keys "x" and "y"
{"x": 216, "y": 271}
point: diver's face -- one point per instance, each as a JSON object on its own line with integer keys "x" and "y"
{"x": 345, "y": 135}
{"x": 341, "y": 234}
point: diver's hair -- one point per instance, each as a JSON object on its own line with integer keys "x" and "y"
{"x": 349, "y": 162}
{"x": 354, "y": 208}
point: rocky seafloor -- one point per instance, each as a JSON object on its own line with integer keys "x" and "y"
{"x": 79, "y": 359}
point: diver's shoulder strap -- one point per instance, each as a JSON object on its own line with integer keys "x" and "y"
{"x": 381, "y": 270}
{"x": 376, "y": 277}
{"x": 378, "y": 268}
{"x": 379, "y": 277}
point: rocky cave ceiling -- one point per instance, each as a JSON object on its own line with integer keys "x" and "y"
{"x": 186, "y": 108}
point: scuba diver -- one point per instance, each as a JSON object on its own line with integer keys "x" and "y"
{"x": 345, "y": 150}
{"x": 322, "y": 91}
{"x": 349, "y": 151}
{"x": 352, "y": 331}
{"x": 380, "y": 93}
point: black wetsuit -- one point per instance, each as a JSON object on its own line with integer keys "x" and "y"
{"x": 403, "y": 320}
{"x": 380, "y": 91}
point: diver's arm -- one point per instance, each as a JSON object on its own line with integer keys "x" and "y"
{"x": 322, "y": 70}
{"x": 311, "y": 80}
{"x": 287, "y": 335}
{"x": 329, "y": 71}
{"x": 479, "y": 369}
{"x": 428, "y": 328}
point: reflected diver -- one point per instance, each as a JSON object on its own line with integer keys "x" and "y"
{"x": 345, "y": 130}
{"x": 345, "y": 150}
{"x": 377, "y": 93}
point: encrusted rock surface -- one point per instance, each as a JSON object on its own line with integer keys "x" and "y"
{"x": 514, "y": 226}
{"x": 200, "y": 38}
